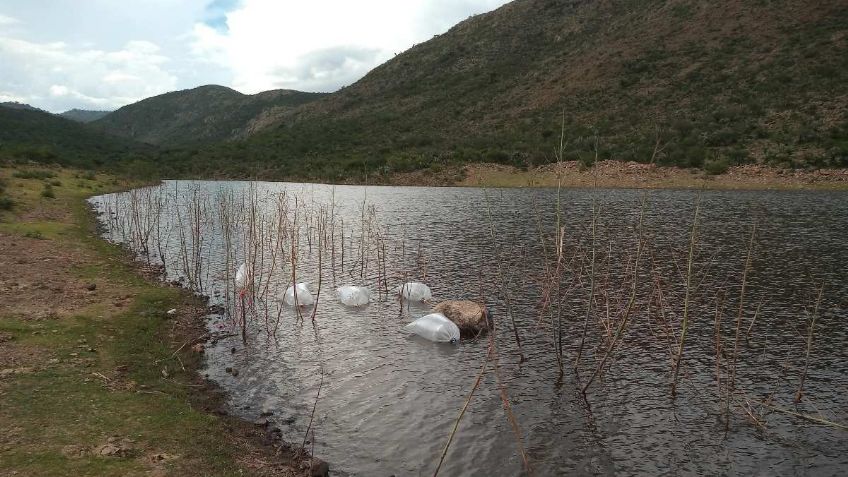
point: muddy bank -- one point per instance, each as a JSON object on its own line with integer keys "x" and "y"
{"x": 615, "y": 174}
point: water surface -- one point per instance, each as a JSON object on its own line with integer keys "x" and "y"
{"x": 389, "y": 400}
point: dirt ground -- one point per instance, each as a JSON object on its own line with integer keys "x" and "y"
{"x": 95, "y": 377}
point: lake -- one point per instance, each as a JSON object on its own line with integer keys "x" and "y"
{"x": 389, "y": 400}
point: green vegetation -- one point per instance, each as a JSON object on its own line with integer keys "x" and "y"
{"x": 196, "y": 116}
{"x": 35, "y": 136}
{"x": 695, "y": 86}
{"x": 34, "y": 174}
{"x": 47, "y": 192}
{"x": 83, "y": 116}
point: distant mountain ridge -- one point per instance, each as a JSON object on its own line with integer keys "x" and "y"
{"x": 678, "y": 82}
{"x": 83, "y": 115}
{"x": 17, "y": 105}
{"x": 197, "y": 116}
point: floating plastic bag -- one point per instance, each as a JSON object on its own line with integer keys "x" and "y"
{"x": 241, "y": 277}
{"x": 435, "y": 327}
{"x": 414, "y": 291}
{"x": 304, "y": 296}
{"x": 353, "y": 296}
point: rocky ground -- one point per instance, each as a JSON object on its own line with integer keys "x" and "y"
{"x": 96, "y": 377}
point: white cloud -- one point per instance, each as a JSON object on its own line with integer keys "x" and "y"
{"x": 321, "y": 45}
{"x": 5, "y": 20}
{"x": 62, "y": 54}
{"x": 58, "y": 76}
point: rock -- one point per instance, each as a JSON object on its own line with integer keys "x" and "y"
{"x": 162, "y": 457}
{"x": 261, "y": 422}
{"x": 73, "y": 451}
{"x": 471, "y": 317}
{"x": 266, "y": 413}
{"x": 91, "y": 287}
{"x": 172, "y": 311}
{"x": 109, "y": 450}
{"x": 116, "y": 447}
{"x": 319, "y": 468}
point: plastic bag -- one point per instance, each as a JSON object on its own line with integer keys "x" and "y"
{"x": 241, "y": 277}
{"x": 304, "y": 296}
{"x": 435, "y": 327}
{"x": 414, "y": 291}
{"x": 353, "y": 296}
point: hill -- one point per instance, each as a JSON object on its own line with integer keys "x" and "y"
{"x": 83, "y": 115}
{"x": 676, "y": 82}
{"x": 196, "y": 116}
{"x": 17, "y": 105}
{"x": 34, "y": 135}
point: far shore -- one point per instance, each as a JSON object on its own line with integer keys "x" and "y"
{"x": 627, "y": 175}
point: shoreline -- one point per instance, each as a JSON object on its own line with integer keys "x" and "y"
{"x": 95, "y": 376}
{"x": 625, "y": 175}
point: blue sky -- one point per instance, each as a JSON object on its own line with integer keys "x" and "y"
{"x": 103, "y": 54}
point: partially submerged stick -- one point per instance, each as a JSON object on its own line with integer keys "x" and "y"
{"x": 685, "y": 326}
{"x": 800, "y": 391}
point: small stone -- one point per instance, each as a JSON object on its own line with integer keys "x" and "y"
{"x": 91, "y": 287}
{"x": 235, "y": 372}
{"x": 172, "y": 311}
{"x": 228, "y": 370}
{"x": 266, "y": 413}
{"x": 261, "y": 422}
{"x": 232, "y": 350}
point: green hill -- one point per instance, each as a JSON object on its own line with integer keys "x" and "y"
{"x": 83, "y": 115}
{"x": 34, "y": 135}
{"x": 196, "y": 116}
{"x": 17, "y": 105}
{"x": 677, "y": 82}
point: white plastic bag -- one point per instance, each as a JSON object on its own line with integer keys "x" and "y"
{"x": 241, "y": 277}
{"x": 353, "y": 296}
{"x": 304, "y": 296}
{"x": 414, "y": 291}
{"x": 435, "y": 327}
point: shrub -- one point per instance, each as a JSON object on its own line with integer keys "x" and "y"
{"x": 48, "y": 192}
{"x": 34, "y": 174}
{"x": 716, "y": 167}
{"x": 6, "y": 203}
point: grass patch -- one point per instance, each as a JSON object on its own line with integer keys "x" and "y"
{"x": 98, "y": 369}
{"x": 39, "y": 174}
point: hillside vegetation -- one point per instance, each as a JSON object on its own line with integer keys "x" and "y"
{"x": 196, "y": 116}
{"x": 674, "y": 82}
{"x": 35, "y": 135}
{"x": 83, "y": 115}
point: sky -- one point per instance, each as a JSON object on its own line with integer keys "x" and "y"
{"x": 102, "y": 54}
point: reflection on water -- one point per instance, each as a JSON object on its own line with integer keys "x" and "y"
{"x": 389, "y": 400}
